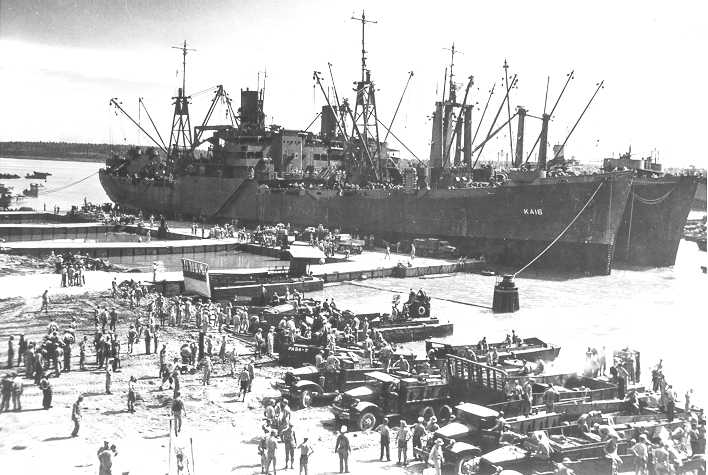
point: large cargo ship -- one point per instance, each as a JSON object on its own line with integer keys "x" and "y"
{"x": 347, "y": 177}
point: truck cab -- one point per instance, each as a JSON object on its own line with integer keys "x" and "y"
{"x": 345, "y": 242}
{"x": 392, "y": 396}
{"x": 309, "y": 385}
{"x": 476, "y": 429}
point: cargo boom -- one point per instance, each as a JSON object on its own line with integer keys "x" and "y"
{"x": 345, "y": 177}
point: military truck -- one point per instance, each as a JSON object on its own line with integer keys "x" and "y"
{"x": 309, "y": 385}
{"x": 476, "y": 430}
{"x": 345, "y": 242}
{"x": 396, "y": 396}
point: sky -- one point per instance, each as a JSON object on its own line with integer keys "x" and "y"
{"x": 63, "y": 60}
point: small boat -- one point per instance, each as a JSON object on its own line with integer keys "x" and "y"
{"x": 413, "y": 322}
{"x": 35, "y": 175}
{"x": 8, "y": 176}
{"x": 414, "y": 330}
{"x": 529, "y": 349}
{"x": 33, "y": 190}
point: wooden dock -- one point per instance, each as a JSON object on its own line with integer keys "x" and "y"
{"x": 184, "y": 247}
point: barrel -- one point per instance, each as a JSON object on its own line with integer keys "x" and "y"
{"x": 506, "y": 296}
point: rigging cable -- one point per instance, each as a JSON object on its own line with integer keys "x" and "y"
{"x": 54, "y": 190}
{"x": 592, "y": 197}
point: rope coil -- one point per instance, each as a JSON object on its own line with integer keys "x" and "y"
{"x": 592, "y": 197}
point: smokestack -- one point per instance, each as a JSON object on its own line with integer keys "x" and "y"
{"x": 544, "y": 142}
{"x": 467, "y": 151}
{"x": 328, "y": 122}
{"x": 519, "y": 158}
{"x": 436, "y": 137}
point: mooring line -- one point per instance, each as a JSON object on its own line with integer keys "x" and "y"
{"x": 359, "y": 284}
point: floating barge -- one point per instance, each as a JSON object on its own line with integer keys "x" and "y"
{"x": 531, "y": 349}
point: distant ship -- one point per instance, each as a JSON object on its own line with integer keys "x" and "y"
{"x": 347, "y": 177}
{"x": 35, "y": 175}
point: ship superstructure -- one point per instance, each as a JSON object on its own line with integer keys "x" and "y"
{"x": 347, "y": 177}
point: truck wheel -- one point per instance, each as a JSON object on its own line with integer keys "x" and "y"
{"x": 444, "y": 413}
{"x": 367, "y": 421}
{"x": 427, "y": 413}
{"x": 462, "y": 465}
{"x": 306, "y": 399}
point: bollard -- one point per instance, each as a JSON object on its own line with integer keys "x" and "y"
{"x": 506, "y": 295}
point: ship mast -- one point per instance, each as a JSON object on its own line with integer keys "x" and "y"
{"x": 181, "y": 135}
{"x": 364, "y": 117}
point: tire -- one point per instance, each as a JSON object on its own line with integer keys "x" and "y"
{"x": 421, "y": 310}
{"x": 444, "y": 413}
{"x": 305, "y": 399}
{"x": 367, "y": 421}
{"x": 459, "y": 467}
{"x": 427, "y": 412}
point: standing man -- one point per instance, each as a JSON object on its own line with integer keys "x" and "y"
{"x": 17, "y": 389}
{"x": 245, "y": 380}
{"x": 343, "y": 448}
{"x": 76, "y": 415}
{"x": 622, "y": 376}
{"x": 67, "y": 340}
{"x": 154, "y": 271}
{"x": 670, "y": 402}
{"x": 11, "y": 351}
{"x": 113, "y": 319}
{"x": 132, "y": 338}
{"x": 385, "y": 433}
{"x": 251, "y": 373}
{"x": 45, "y": 302}
{"x": 131, "y": 394}
{"x": 527, "y": 397}
{"x": 109, "y": 376}
{"x": 105, "y": 459}
{"x": 305, "y": 452}
{"x": 147, "y": 340}
{"x": 82, "y": 353}
{"x": 271, "y": 446}
{"x": 412, "y": 251}
{"x": 418, "y": 433}
{"x": 46, "y": 388}
{"x": 641, "y": 455}
{"x": 288, "y": 437}
{"x": 207, "y": 370}
{"x": 177, "y": 412}
{"x": 6, "y": 389}
{"x": 402, "y": 442}
{"x": 549, "y": 398}
{"x": 436, "y": 458}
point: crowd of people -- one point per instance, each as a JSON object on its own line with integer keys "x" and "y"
{"x": 319, "y": 322}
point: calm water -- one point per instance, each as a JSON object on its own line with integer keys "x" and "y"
{"x": 55, "y": 190}
{"x": 216, "y": 260}
{"x": 659, "y": 312}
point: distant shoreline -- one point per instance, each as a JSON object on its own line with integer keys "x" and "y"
{"x": 56, "y": 159}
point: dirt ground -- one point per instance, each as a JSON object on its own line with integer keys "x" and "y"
{"x": 221, "y": 431}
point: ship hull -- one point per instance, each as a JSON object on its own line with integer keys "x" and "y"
{"x": 509, "y": 225}
{"x": 187, "y": 197}
{"x": 653, "y": 221}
